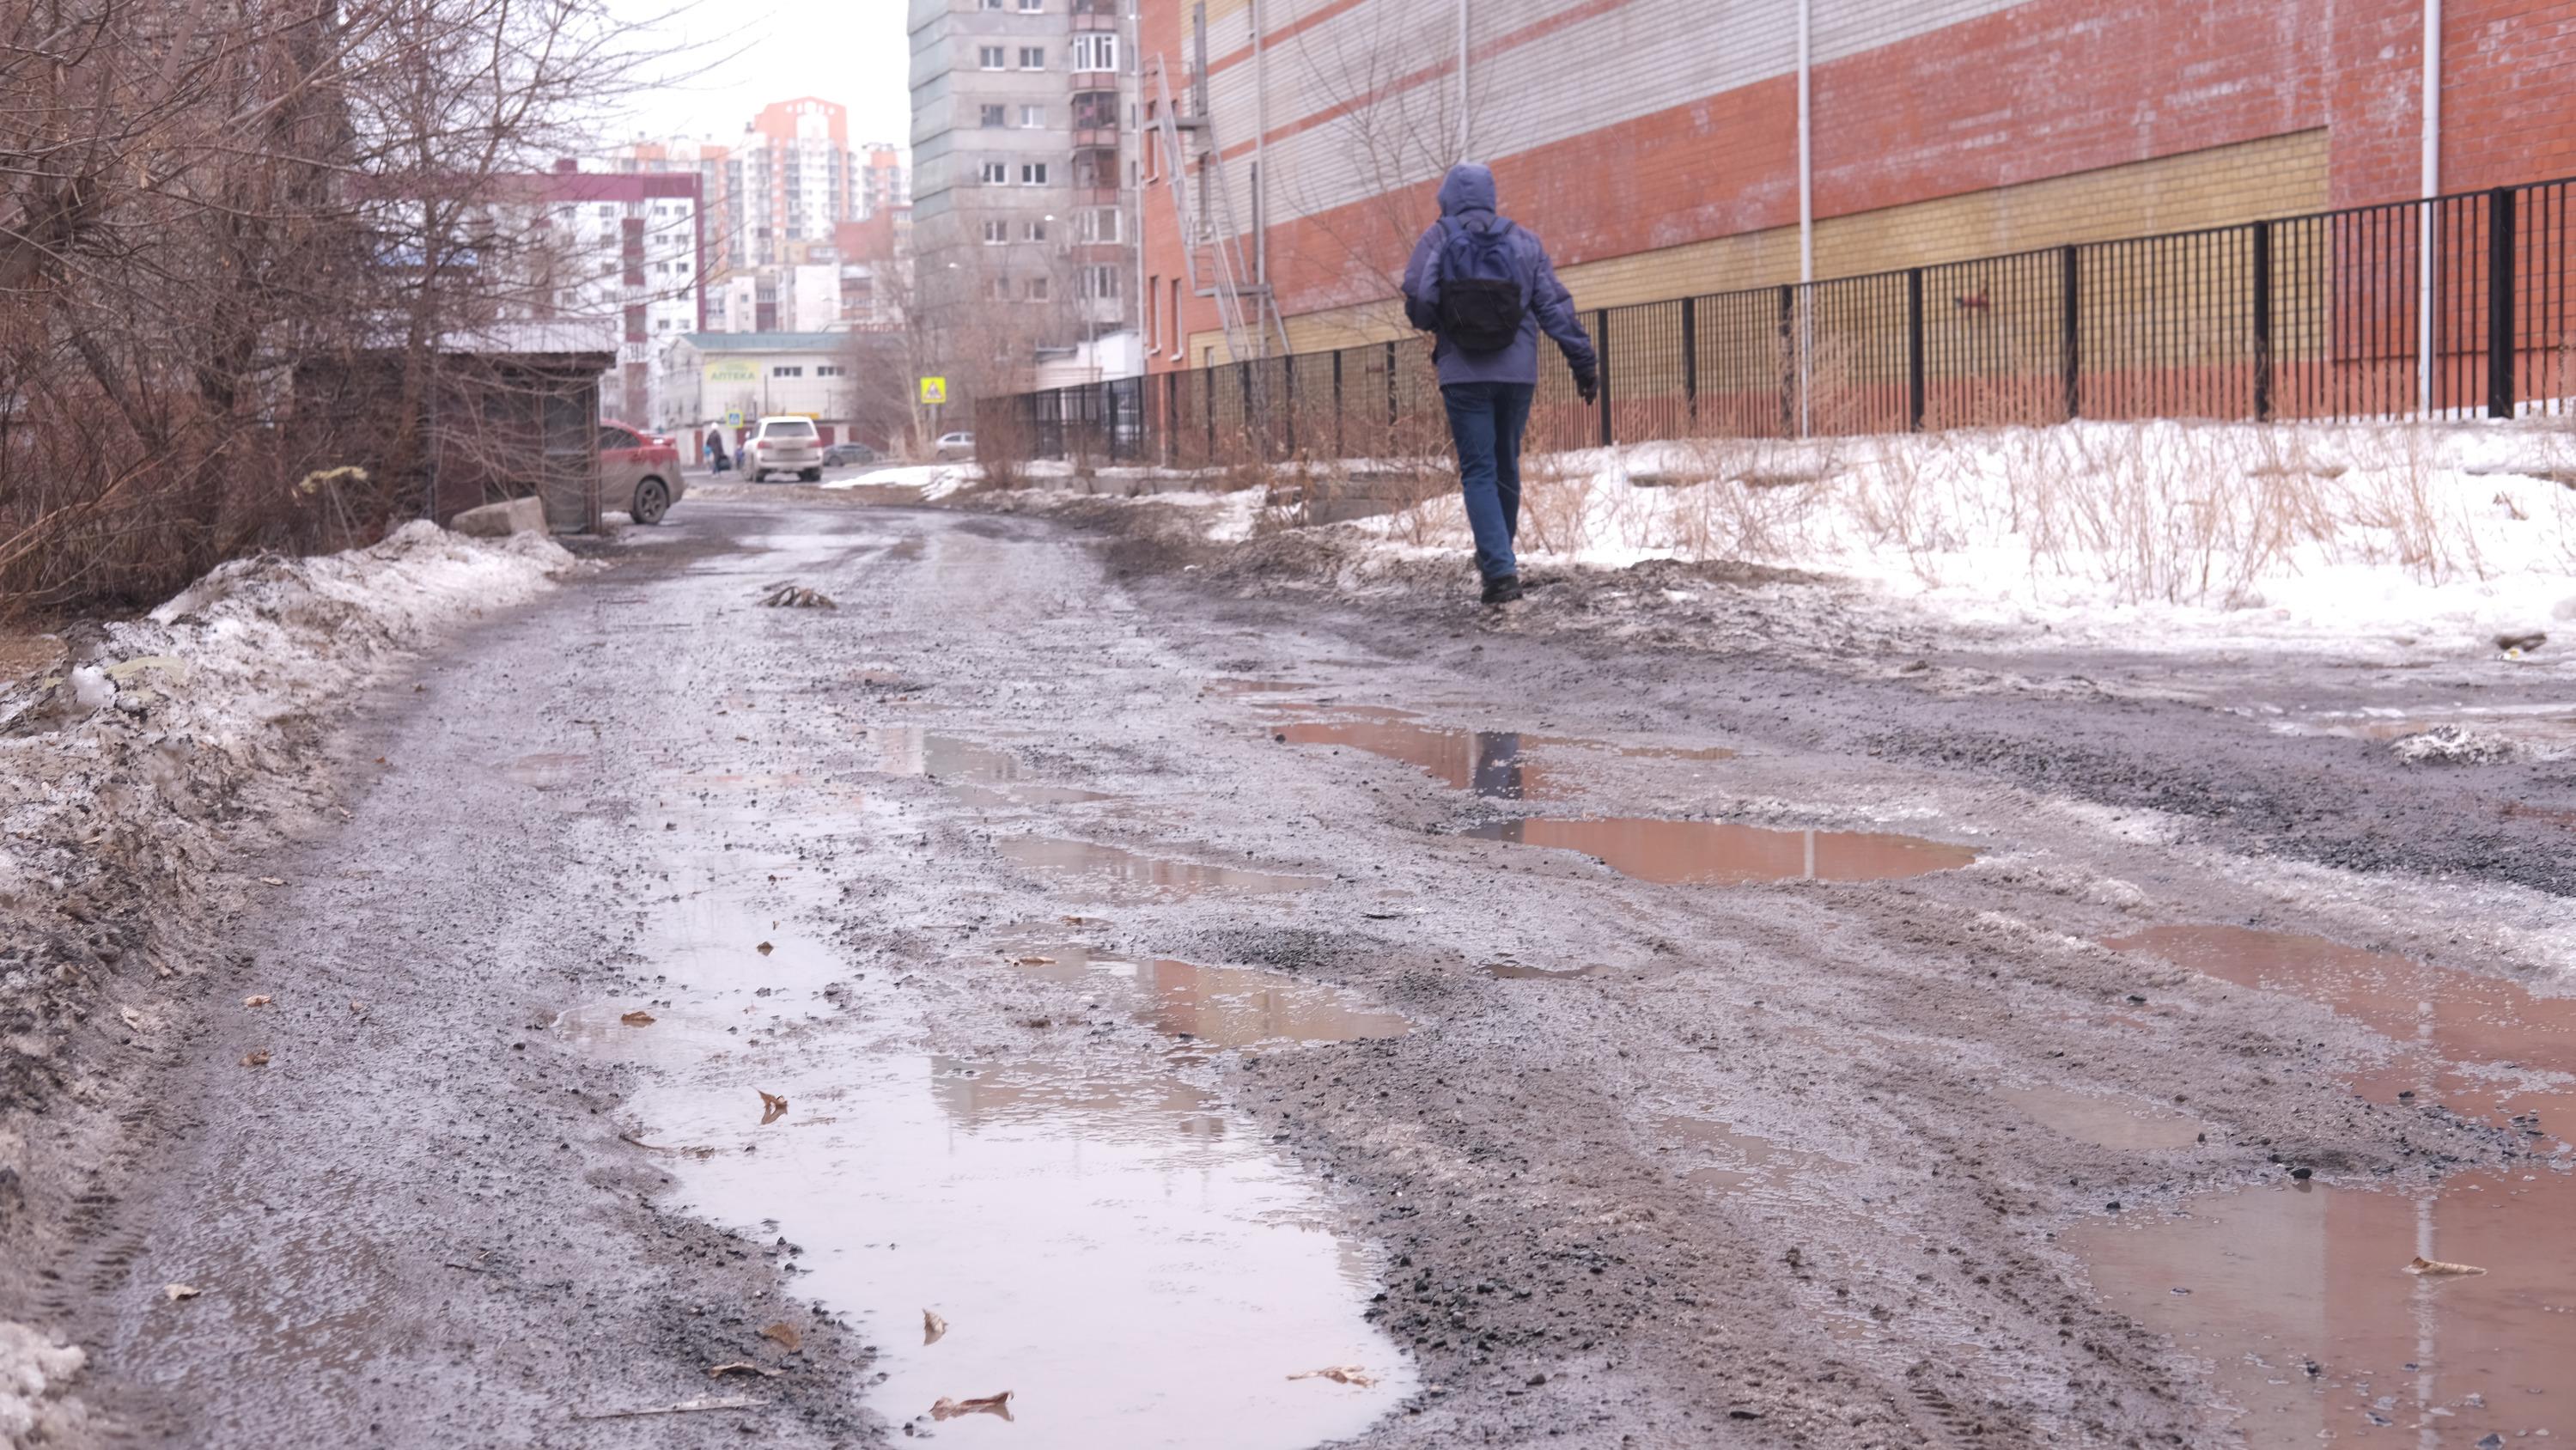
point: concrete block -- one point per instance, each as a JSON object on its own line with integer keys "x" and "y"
{"x": 493, "y": 520}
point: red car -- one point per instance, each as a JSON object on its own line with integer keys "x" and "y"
{"x": 639, "y": 467}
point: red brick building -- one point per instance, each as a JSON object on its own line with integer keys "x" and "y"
{"x": 1656, "y": 144}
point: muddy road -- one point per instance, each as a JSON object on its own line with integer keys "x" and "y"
{"x": 1044, "y": 975}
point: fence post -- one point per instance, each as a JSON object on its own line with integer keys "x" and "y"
{"x": 1788, "y": 362}
{"x": 1171, "y": 413}
{"x": 2070, "y": 325}
{"x": 1337, "y": 403}
{"x": 2500, "y": 321}
{"x": 1288, "y": 402}
{"x": 2263, "y": 322}
{"x": 1601, "y": 365}
{"x": 1690, "y": 361}
{"x": 1914, "y": 349}
{"x": 1207, "y": 405}
{"x": 1390, "y": 385}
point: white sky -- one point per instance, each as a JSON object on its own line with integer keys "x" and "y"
{"x": 753, "y": 52}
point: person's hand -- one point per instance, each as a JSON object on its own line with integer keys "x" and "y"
{"x": 1588, "y": 388}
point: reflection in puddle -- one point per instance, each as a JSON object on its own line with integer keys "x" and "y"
{"x": 1487, "y": 762}
{"x": 1491, "y": 763}
{"x": 991, "y": 797}
{"x": 1059, "y": 857}
{"x": 1098, "y": 1244}
{"x": 2108, "y": 1122}
{"x": 1230, "y": 686}
{"x": 1737, "y": 1162}
{"x": 547, "y": 769}
{"x": 2264, "y": 1283}
{"x": 911, "y": 750}
{"x": 1222, "y": 1006}
{"x": 1715, "y": 853}
{"x": 2447, "y": 1017}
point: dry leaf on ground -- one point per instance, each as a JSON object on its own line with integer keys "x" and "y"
{"x": 2436, "y": 1266}
{"x": 788, "y": 1336}
{"x": 262, "y": 1000}
{"x": 1082, "y": 921}
{"x": 932, "y": 1326}
{"x": 132, "y": 1018}
{"x": 270, "y": 881}
{"x": 357, "y": 1007}
{"x": 772, "y": 1107}
{"x": 258, "y": 1057}
{"x": 177, "y": 1292}
{"x": 744, "y": 1366}
{"x": 637, "y": 1018}
{"x": 1340, "y": 1374}
{"x": 765, "y": 949}
{"x": 948, "y": 1409}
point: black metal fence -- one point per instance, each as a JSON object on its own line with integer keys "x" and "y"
{"x": 2457, "y": 306}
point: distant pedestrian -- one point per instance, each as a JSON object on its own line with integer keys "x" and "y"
{"x": 1485, "y": 288}
{"x": 716, "y": 451}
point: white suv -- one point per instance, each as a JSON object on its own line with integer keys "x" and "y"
{"x": 783, "y": 445}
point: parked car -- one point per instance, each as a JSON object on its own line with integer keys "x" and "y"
{"x": 640, "y": 468}
{"x": 783, "y": 445}
{"x": 956, "y": 445}
{"x": 843, "y": 455}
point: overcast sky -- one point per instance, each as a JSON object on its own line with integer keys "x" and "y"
{"x": 757, "y": 51}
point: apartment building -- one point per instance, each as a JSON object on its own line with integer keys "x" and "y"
{"x": 1023, "y": 153}
{"x": 1672, "y": 147}
{"x": 624, "y": 250}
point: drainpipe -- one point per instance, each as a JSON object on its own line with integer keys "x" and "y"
{"x": 2432, "y": 187}
{"x": 1806, "y": 202}
{"x": 1463, "y": 153}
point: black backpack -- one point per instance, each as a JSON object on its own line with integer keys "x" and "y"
{"x": 1481, "y": 306}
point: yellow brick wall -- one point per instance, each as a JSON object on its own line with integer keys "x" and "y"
{"x": 2276, "y": 176}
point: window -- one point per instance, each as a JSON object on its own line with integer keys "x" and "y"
{"x": 990, "y": 5}
{"x": 990, "y": 57}
{"x": 997, "y": 289}
{"x": 617, "y": 438}
{"x": 996, "y": 115}
{"x": 1031, "y": 7}
{"x": 996, "y": 233}
{"x": 1033, "y": 117}
{"x": 1096, "y": 50}
{"x": 1033, "y": 231}
{"x": 995, "y": 173}
{"x": 1035, "y": 289}
{"x": 784, "y": 370}
{"x": 830, "y": 370}
{"x": 1101, "y": 224}
{"x": 1099, "y": 284}
{"x": 1033, "y": 57}
{"x": 1033, "y": 173}
{"x": 1153, "y": 328}
{"x": 608, "y": 211}
{"x": 1095, "y": 110}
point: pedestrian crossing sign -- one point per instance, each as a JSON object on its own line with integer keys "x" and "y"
{"x": 934, "y": 391}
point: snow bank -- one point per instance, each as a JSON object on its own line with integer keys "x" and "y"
{"x": 33, "y": 1371}
{"x": 935, "y": 480}
{"x": 2153, "y": 536}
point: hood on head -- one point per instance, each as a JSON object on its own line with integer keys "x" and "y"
{"x": 1468, "y": 187}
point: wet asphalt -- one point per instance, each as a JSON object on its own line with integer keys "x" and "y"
{"x": 1656, "y": 1135}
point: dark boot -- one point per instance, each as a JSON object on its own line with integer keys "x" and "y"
{"x": 1503, "y": 590}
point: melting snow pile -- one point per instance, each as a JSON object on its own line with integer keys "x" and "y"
{"x": 33, "y": 1373}
{"x": 2142, "y": 535}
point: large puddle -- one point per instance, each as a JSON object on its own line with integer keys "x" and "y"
{"x": 1493, "y": 763}
{"x": 2299, "y": 1300}
{"x": 1115, "y": 866}
{"x": 1224, "y": 1007}
{"x": 980, "y": 774}
{"x": 1716, "y": 853}
{"x": 1098, "y": 1237}
{"x": 2104, "y": 1120}
{"x": 2480, "y": 1045}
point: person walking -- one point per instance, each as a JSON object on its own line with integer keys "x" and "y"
{"x": 1484, "y": 288}
{"x": 716, "y": 451}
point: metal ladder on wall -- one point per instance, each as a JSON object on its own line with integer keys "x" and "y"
{"x": 1211, "y": 245}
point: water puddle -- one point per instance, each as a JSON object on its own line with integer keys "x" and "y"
{"x": 2473, "y": 1040}
{"x": 548, "y": 769}
{"x": 1721, "y": 1157}
{"x": 1516, "y": 972}
{"x": 1233, "y": 686}
{"x": 2104, "y": 1121}
{"x": 2548, "y": 729}
{"x": 1224, "y": 1007}
{"x": 981, "y": 775}
{"x": 1055, "y": 856}
{"x": 1715, "y": 853}
{"x": 1491, "y": 763}
{"x": 2298, "y": 1299}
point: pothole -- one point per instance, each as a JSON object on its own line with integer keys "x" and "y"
{"x": 2102, "y": 1120}
{"x": 1716, "y": 853}
{"x": 1224, "y": 1007}
{"x": 2299, "y": 1299}
{"x": 1117, "y": 866}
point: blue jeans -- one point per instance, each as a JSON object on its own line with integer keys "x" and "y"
{"x": 1486, "y": 421}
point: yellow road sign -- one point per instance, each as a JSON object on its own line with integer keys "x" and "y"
{"x": 934, "y": 391}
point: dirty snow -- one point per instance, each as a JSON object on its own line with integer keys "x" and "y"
{"x": 935, "y": 480}
{"x": 2157, "y": 536}
{"x": 33, "y": 1370}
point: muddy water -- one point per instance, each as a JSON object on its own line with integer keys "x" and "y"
{"x": 2462, "y": 1029}
{"x": 911, "y": 750}
{"x": 2105, "y": 1121}
{"x": 1116, "y": 867}
{"x": 1104, "y": 1241}
{"x": 1226, "y": 1007}
{"x": 1715, "y": 853}
{"x": 2263, "y": 1282}
{"x": 1492, "y": 763}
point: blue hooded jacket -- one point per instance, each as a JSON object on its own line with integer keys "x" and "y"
{"x": 1467, "y": 199}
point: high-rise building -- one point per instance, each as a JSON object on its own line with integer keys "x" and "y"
{"x": 1023, "y": 173}
{"x": 626, "y": 250}
{"x": 885, "y": 183}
